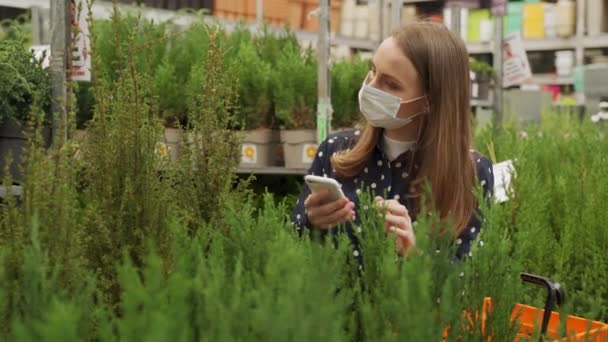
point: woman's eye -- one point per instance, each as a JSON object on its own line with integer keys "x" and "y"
{"x": 392, "y": 85}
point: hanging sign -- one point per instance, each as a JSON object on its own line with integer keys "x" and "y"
{"x": 516, "y": 68}
{"x": 81, "y": 52}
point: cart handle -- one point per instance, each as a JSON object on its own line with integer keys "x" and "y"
{"x": 556, "y": 294}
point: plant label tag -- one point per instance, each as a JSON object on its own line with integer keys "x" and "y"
{"x": 309, "y": 151}
{"x": 81, "y": 54}
{"x": 249, "y": 154}
{"x": 503, "y": 173}
{"x": 42, "y": 50}
{"x": 474, "y": 90}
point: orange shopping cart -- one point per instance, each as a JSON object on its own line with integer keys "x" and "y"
{"x": 529, "y": 318}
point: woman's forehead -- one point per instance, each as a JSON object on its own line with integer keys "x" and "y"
{"x": 389, "y": 59}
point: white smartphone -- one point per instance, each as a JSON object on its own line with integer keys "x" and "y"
{"x": 316, "y": 184}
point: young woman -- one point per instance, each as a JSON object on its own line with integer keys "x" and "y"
{"x": 415, "y": 101}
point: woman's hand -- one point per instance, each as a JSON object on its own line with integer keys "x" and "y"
{"x": 397, "y": 221}
{"x": 325, "y": 215}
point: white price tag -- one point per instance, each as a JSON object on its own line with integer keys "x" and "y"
{"x": 309, "y": 151}
{"x": 503, "y": 173}
{"x": 249, "y": 154}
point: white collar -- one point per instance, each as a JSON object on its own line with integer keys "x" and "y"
{"x": 394, "y": 148}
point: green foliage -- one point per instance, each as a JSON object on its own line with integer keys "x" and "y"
{"x": 254, "y": 87}
{"x": 204, "y": 176}
{"x": 295, "y": 91}
{"x": 555, "y": 220}
{"x": 22, "y": 81}
{"x": 277, "y": 79}
{"x": 347, "y": 77}
{"x": 185, "y": 50}
{"x": 148, "y": 44}
{"x": 271, "y": 45}
{"x": 247, "y": 275}
{"x": 125, "y": 199}
{"x": 19, "y": 28}
{"x": 109, "y": 243}
{"x": 481, "y": 67}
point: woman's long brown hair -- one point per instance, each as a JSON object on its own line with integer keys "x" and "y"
{"x": 442, "y": 154}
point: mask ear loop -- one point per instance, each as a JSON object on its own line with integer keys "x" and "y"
{"x": 420, "y": 128}
{"x": 409, "y": 195}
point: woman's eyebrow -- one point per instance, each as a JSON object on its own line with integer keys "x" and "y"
{"x": 391, "y": 77}
{"x": 395, "y": 79}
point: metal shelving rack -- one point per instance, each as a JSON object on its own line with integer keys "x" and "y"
{"x": 273, "y": 170}
{"x": 103, "y": 10}
{"x": 579, "y": 43}
{"x": 15, "y": 190}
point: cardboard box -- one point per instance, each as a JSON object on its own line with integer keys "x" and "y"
{"x": 534, "y": 20}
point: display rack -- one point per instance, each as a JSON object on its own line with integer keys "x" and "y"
{"x": 103, "y": 10}
{"x": 275, "y": 170}
{"x": 16, "y": 190}
{"x": 579, "y": 43}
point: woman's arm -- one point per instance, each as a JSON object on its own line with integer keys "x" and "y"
{"x": 299, "y": 217}
{"x": 485, "y": 176}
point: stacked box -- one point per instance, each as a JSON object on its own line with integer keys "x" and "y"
{"x": 464, "y": 20}
{"x": 597, "y": 17}
{"x": 514, "y": 17}
{"x": 478, "y": 20}
{"x": 534, "y": 20}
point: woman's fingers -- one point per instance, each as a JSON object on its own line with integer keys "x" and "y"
{"x": 391, "y": 206}
{"x": 315, "y": 199}
{"x": 342, "y": 215}
{"x": 330, "y": 208}
{"x": 400, "y": 222}
{"x": 397, "y": 208}
{"x": 405, "y": 240}
{"x": 403, "y": 233}
{"x": 327, "y": 215}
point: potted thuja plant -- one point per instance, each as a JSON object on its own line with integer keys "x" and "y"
{"x": 172, "y": 106}
{"x": 482, "y": 75}
{"x": 260, "y": 142}
{"x": 24, "y": 93}
{"x": 295, "y": 97}
{"x": 347, "y": 78}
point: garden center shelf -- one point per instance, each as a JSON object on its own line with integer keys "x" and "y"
{"x": 552, "y": 79}
{"x": 588, "y": 42}
{"x": 273, "y": 170}
{"x": 16, "y": 190}
{"x": 481, "y": 103}
{"x": 103, "y": 10}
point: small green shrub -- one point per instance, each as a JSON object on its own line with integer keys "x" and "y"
{"x": 255, "y": 92}
{"x": 23, "y": 80}
{"x": 347, "y": 78}
{"x": 295, "y": 91}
